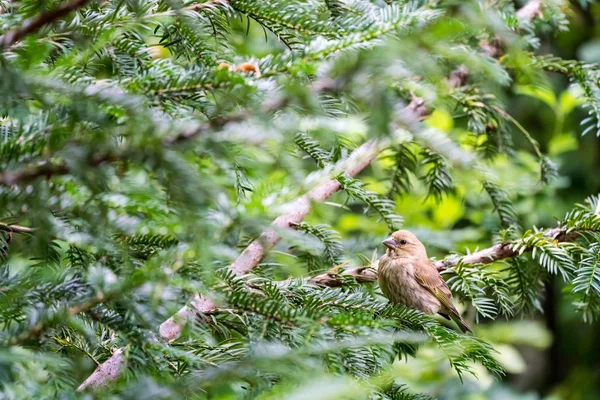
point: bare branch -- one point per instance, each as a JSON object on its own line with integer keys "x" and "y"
{"x": 529, "y": 11}
{"x": 252, "y": 255}
{"x": 16, "y": 228}
{"x": 107, "y": 371}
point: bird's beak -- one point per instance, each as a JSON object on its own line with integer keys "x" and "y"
{"x": 389, "y": 243}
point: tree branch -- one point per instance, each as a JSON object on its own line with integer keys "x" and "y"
{"x": 34, "y": 24}
{"x": 37, "y": 329}
{"x": 489, "y": 255}
{"x": 47, "y": 169}
{"x": 530, "y": 11}
{"x": 109, "y": 370}
{"x": 16, "y": 228}
{"x": 254, "y": 253}
{"x": 186, "y": 133}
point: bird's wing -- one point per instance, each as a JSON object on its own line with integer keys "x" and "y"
{"x": 428, "y": 277}
{"x": 381, "y": 271}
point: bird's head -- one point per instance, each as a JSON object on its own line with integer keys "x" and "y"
{"x": 403, "y": 244}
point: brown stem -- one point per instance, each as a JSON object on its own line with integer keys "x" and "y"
{"x": 15, "y": 228}
{"x": 486, "y": 256}
{"x": 530, "y": 11}
{"x": 34, "y": 24}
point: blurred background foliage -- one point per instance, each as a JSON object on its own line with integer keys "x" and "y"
{"x": 163, "y": 223}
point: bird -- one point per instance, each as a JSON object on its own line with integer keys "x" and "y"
{"x": 408, "y": 277}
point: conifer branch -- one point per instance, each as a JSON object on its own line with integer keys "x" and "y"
{"x": 37, "y": 329}
{"x": 250, "y": 257}
{"x": 188, "y": 132}
{"x": 489, "y": 255}
{"x": 193, "y": 7}
{"x": 254, "y": 253}
{"x": 36, "y": 23}
{"x": 48, "y": 169}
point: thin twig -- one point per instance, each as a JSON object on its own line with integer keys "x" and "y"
{"x": 524, "y": 131}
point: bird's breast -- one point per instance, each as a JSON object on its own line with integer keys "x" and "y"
{"x": 398, "y": 283}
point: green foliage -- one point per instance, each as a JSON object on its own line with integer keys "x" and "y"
{"x": 313, "y": 149}
{"x": 405, "y": 164}
{"x": 334, "y": 249}
{"x": 502, "y": 205}
{"x": 586, "y": 76}
{"x": 146, "y": 144}
{"x": 553, "y": 256}
{"x": 486, "y": 289}
{"x": 437, "y": 178}
{"x": 385, "y": 207}
{"x": 586, "y": 285}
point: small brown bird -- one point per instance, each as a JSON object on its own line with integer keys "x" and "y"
{"x": 407, "y": 276}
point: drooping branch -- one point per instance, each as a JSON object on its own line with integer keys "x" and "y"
{"x": 48, "y": 169}
{"x": 36, "y": 23}
{"x": 184, "y": 134}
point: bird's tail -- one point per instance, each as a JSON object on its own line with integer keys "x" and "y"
{"x": 461, "y": 323}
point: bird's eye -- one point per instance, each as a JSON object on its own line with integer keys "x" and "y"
{"x": 403, "y": 241}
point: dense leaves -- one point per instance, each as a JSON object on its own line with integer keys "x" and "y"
{"x": 144, "y": 145}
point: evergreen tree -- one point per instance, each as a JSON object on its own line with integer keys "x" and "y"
{"x": 173, "y": 187}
